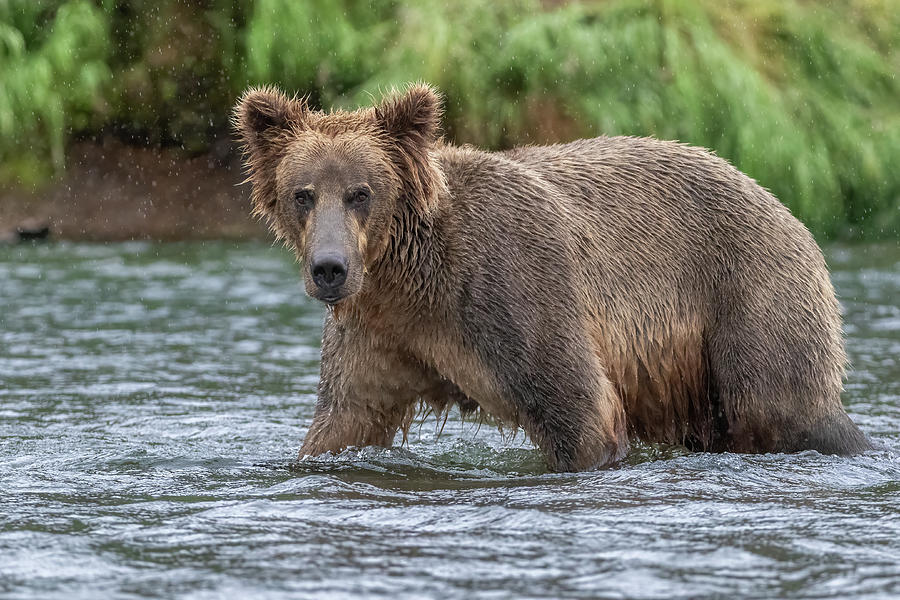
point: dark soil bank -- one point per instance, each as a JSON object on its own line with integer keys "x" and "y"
{"x": 112, "y": 191}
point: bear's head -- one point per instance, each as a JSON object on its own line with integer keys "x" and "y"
{"x": 337, "y": 186}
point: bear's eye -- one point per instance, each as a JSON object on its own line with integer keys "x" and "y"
{"x": 360, "y": 196}
{"x": 303, "y": 198}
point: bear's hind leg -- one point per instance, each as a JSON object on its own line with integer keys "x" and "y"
{"x": 779, "y": 386}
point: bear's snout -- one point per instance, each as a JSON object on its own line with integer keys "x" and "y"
{"x": 329, "y": 272}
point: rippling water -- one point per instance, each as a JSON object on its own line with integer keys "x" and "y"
{"x": 153, "y": 399}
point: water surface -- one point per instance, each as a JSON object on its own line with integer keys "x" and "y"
{"x": 153, "y": 399}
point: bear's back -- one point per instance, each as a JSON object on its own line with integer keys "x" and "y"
{"x": 628, "y": 196}
{"x": 652, "y": 178}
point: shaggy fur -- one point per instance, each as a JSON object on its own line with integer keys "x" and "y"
{"x": 588, "y": 292}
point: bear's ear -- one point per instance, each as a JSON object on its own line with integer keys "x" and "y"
{"x": 412, "y": 120}
{"x": 263, "y": 118}
{"x": 413, "y": 116}
{"x": 264, "y": 113}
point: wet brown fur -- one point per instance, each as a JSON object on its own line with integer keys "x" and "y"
{"x": 587, "y": 292}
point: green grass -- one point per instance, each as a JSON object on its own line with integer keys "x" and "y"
{"x": 52, "y": 68}
{"x": 803, "y": 96}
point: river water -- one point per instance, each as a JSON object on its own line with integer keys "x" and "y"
{"x": 153, "y": 399}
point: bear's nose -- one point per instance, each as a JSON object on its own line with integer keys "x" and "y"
{"x": 330, "y": 271}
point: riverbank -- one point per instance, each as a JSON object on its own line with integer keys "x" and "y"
{"x": 113, "y": 192}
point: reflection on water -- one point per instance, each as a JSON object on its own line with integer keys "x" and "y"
{"x": 153, "y": 397}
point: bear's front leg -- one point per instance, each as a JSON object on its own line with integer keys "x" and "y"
{"x": 365, "y": 393}
{"x": 549, "y": 374}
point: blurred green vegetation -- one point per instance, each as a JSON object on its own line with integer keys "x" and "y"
{"x": 803, "y": 96}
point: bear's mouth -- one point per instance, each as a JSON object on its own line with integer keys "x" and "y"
{"x": 330, "y": 297}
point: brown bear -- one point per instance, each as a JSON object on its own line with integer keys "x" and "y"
{"x": 587, "y": 292}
